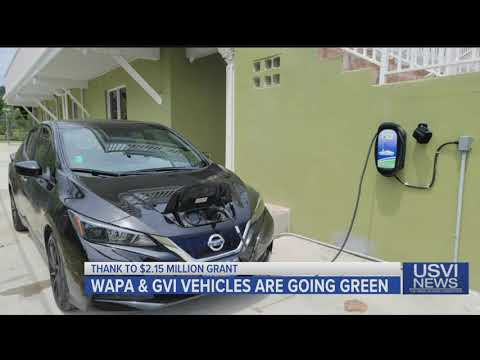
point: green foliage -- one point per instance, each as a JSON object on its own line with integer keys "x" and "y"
{"x": 2, "y": 104}
{"x": 19, "y": 123}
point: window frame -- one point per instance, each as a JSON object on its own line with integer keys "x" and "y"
{"x": 116, "y": 90}
{"x": 75, "y": 110}
{"x": 32, "y": 135}
{"x": 267, "y": 74}
{"x": 51, "y": 149}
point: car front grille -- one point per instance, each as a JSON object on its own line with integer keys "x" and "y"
{"x": 197, "y": 245}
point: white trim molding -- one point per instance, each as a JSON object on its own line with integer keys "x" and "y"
{"x": 194, "y": 53}
{"x": 65, "y": 113}
{"x": 44, "y": 108}
{"x": 116, "y": 91}
{"x": 31, "y": 114}
{"x": 138, "y": 78}
{"x": 58, "y": 83}
{"x": 74, "y": 99}
{"x": 228, "y": 55}
{"x": 29, "y": 100}
{"x": 147, "y": 53}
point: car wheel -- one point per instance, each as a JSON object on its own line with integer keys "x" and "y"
{"x": 57, "y": 276}
{"x": 17, "y": 221}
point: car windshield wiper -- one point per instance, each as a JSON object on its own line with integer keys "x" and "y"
{"x": 154, "y": 170}
{"x": 128, "y": 173}
{"x": 95, "y": 172}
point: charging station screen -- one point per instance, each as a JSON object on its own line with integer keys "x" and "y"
{"x": 387, "y": 149}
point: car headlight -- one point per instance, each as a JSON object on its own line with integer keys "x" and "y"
{"x": 100, "y": 233}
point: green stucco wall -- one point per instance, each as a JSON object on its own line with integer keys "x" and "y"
{"x": 198, "y": 106}
{"x": 140, "y": 106}
{"x": 302, "y": 145}
{"x": 51, "y": 105}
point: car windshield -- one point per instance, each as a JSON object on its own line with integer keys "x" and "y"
{"x": 119, "y": 148}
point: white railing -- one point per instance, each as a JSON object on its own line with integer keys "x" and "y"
{"x": 435, "y": 61}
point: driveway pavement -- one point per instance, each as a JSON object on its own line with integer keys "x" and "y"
{"x": 24, "y": 279}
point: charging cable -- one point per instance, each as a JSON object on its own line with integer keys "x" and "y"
{"x": 359, "y": 193}
{"x": 236, "y": 227}
{"x": 434, "y": 173}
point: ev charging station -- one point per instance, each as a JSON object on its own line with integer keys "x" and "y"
{"x": 390, "y": 149}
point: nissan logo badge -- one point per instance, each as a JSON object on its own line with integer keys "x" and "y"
{"x": 216, "y": 242}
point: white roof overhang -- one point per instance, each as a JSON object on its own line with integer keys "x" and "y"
{"x": 195, "y": 53}
{"x": 39, "y": 73}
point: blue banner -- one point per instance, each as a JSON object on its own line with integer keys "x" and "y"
{"x": 435, "y": 278}
{"x": 239, "y": 285}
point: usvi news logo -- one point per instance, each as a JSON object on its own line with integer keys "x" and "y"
{"x": 435, "y": 278}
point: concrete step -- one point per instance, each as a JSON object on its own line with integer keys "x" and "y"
{"x": 406, "y": 76}
{"x": 330, "y": 53}
{"x": 281, "y": 218}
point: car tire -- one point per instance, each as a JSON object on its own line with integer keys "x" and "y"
{"x": 17, "y": 221}
{"x": 57, "y": 276}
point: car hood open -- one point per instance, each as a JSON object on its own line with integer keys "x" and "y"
{"x": 137, "y": 202}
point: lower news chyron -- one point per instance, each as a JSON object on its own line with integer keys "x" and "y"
{"x": 147, "y": 279}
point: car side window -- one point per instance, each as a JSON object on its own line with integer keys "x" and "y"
{"x": 44, "y": 152}
{"x": 30, "y": 143}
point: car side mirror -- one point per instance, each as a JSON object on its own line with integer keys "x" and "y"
{"x": 28, "y": 168}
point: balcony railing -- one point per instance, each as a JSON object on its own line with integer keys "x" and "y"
{"x": 434, "y": 61}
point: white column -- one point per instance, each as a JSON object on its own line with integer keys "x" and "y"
{"x": 57, "y": 112}
{"x": 65, "y": 106}
{"x": 74, "y": 99}
{"x": 62, "y": 98}
{"x": 383, "y": 67}
{"x": 228, "y": 54}
{"x": 82, "y": 100}
{"x": 450, "y": 58}
{"x": 458, "y": 223}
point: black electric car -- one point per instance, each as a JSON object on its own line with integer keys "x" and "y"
{"x": 129, "y": 191}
